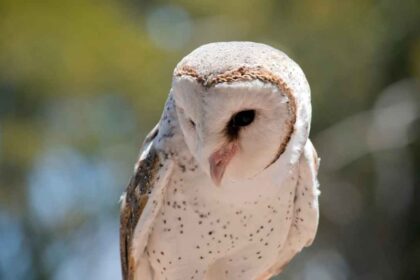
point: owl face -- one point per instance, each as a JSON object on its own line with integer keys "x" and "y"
{"x": 234, "y": 130}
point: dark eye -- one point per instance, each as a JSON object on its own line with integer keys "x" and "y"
{"x": 243, "y": 118}
{"x": 240, "y": 119}
{"x": 192, "y": 123}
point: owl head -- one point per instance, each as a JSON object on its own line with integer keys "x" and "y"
{"x": 241, "y": 106}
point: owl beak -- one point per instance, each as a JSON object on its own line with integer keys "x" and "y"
{"x": 219, "y": 161}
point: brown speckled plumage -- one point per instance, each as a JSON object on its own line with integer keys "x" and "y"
{"x": 175, "y": 223}
{"x": 134, "y": 201}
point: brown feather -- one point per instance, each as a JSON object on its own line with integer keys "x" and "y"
{"x": 133, "y": 204}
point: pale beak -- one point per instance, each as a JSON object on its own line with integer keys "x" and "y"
{"x": 219, "y": 161}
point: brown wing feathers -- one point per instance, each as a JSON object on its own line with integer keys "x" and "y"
{"x": 136, "y": 197}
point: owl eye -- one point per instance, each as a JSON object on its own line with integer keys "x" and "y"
{"x": 239, "y": 120}
{"x": 243, "y": 118}
{"x": 192, "y": 123}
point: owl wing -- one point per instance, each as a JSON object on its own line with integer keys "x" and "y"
{"x": 140, "y": 205}
{"x": 306, "y": 212}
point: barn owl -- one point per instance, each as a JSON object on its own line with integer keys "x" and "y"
{"x": 225, "y": 186}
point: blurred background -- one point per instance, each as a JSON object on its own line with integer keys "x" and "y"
{"x": 82, "y": 82}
